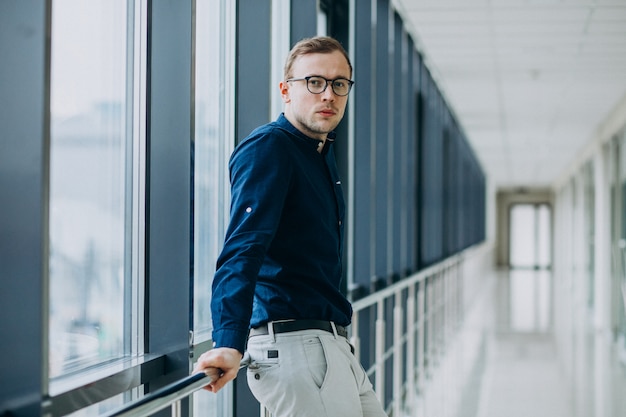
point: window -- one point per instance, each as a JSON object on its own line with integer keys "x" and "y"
{"x": 93, "y": 197}
{"x": 530, "y": 242}
{"x": 214, "y": 142}
{"x": 589, "y": 214}
{"x": 619, "y": 240}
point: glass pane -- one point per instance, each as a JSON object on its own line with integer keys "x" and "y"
{"x": 211, "y": 148}
{"x": 620, "y": 278}
{"x": 589, "y": 232}
{"x": 104, "y": 407}
{"x": 322, "y": 22}
{"x": 214, "y": 95}
{"x": 206, "y": 162}
{"x": 530, "y": 237}
{"x": 544, "y": 231}
{"x": 522, "y": 238}
{"x": 88, "y": 190}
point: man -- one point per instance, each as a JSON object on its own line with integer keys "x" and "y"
{"x": 277, "y": 284}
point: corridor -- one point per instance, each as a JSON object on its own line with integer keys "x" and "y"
{"x": 522, "y": 376}
{"x": 511, "y": 356}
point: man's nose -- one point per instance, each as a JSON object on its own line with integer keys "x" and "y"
{"x": 328, "y": 93}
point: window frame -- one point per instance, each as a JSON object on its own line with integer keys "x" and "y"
{"x": 162, "y": 135}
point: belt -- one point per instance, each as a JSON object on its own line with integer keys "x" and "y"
{"x": 297, "y": 325}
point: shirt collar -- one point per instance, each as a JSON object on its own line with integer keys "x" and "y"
{"x": 314, "y": 143}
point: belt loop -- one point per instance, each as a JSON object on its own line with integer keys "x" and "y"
{"x": 270, "y": 331}
{"x": 332, "y": 324}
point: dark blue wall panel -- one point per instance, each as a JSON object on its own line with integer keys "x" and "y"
{"x": 381, "y": 163}
{"x": 363, "y": 98}
{"x": 303, "y": 19}
{"x": 253, "y": 66}
{"x": 431, "y": 180}
{"x": 24, "y": 158}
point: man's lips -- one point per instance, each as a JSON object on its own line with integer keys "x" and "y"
{"x": 327, "y": 112}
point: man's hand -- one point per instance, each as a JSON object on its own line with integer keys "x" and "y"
{"x": 222, "y": 363}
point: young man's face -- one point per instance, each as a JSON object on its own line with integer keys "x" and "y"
{"x": 315, "y": 115}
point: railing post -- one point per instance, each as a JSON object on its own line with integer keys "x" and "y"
{"x": 355, "y": 339}
{"x": 441, "y": 308}
{"x": 398, "y": 313}
{"x": 410, "y": 348}
{"x": 427, "y": 324}
{"x": 458, "y": 293}
{"x": 380, "y": 350}
{"x": 443, "y": 322}
{"x": 177, "y": 409}
{"x": 448, "y": 300}
{"x": 421, "y": 320}
{"x": 430, "y": 316}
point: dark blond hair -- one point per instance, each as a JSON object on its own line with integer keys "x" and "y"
{"x": 316, "y": 45}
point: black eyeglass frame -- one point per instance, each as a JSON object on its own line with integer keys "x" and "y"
{"x": 327, "y": 81}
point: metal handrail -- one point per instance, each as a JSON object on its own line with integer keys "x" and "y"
{"x": 163, "y": 397}
{"x": 171, "y": 394}
{"x": 418, "y": 277}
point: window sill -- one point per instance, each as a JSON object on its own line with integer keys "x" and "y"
{"x": 75, "y": 391}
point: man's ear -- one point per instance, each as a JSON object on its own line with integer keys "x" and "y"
{"x": 284, "y": 91}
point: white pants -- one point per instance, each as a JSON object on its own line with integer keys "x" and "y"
{"x": 309, "y": 373}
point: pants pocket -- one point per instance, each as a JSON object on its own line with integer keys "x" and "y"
{"x": 316, "y": 360}
{"x": 263, "y": 373}
{"x": 336, "y": 383}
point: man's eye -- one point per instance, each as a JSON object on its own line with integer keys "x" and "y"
{"x": 315, "y": 82}
{"x": 339, "y": 83}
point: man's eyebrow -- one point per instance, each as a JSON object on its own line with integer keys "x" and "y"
{"x": 343, "y": 77}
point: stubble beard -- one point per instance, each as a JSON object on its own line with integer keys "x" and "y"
{"x": 317, "y": 128}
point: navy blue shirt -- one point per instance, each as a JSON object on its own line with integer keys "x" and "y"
{"x": 282, "y": 253}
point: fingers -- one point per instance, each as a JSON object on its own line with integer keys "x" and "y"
{"x": 225, "y": 378}
{"x": 213, "y": 373}
{"x": 221, "y": 365}
{"x": 223, "y": 358}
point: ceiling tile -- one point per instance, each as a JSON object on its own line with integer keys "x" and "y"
{"x": 529, "y": 80}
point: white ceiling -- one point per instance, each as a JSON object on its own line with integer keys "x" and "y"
{"x": 530, "y": 81}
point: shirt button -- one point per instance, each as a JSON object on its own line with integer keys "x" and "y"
{"x": 339, "y": 222}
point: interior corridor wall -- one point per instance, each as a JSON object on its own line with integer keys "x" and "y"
{"x": 400, "y": 121}
{"x": 590, "y": 273}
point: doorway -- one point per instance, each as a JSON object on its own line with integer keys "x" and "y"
{"x": 530, "y": 240}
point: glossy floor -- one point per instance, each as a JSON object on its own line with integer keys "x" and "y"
{"x": 509, "y": 359}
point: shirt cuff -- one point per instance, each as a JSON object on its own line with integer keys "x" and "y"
{"x": 230, "y": 338}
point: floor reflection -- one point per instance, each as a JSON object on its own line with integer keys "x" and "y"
{"x": 529, "y": 300}
{"x": 522, "y": 374}
{"x": 528, "y": 348}
{"x": 538, "y": 366}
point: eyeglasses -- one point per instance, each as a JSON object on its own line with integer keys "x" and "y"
{"x": 317, "y": 85}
